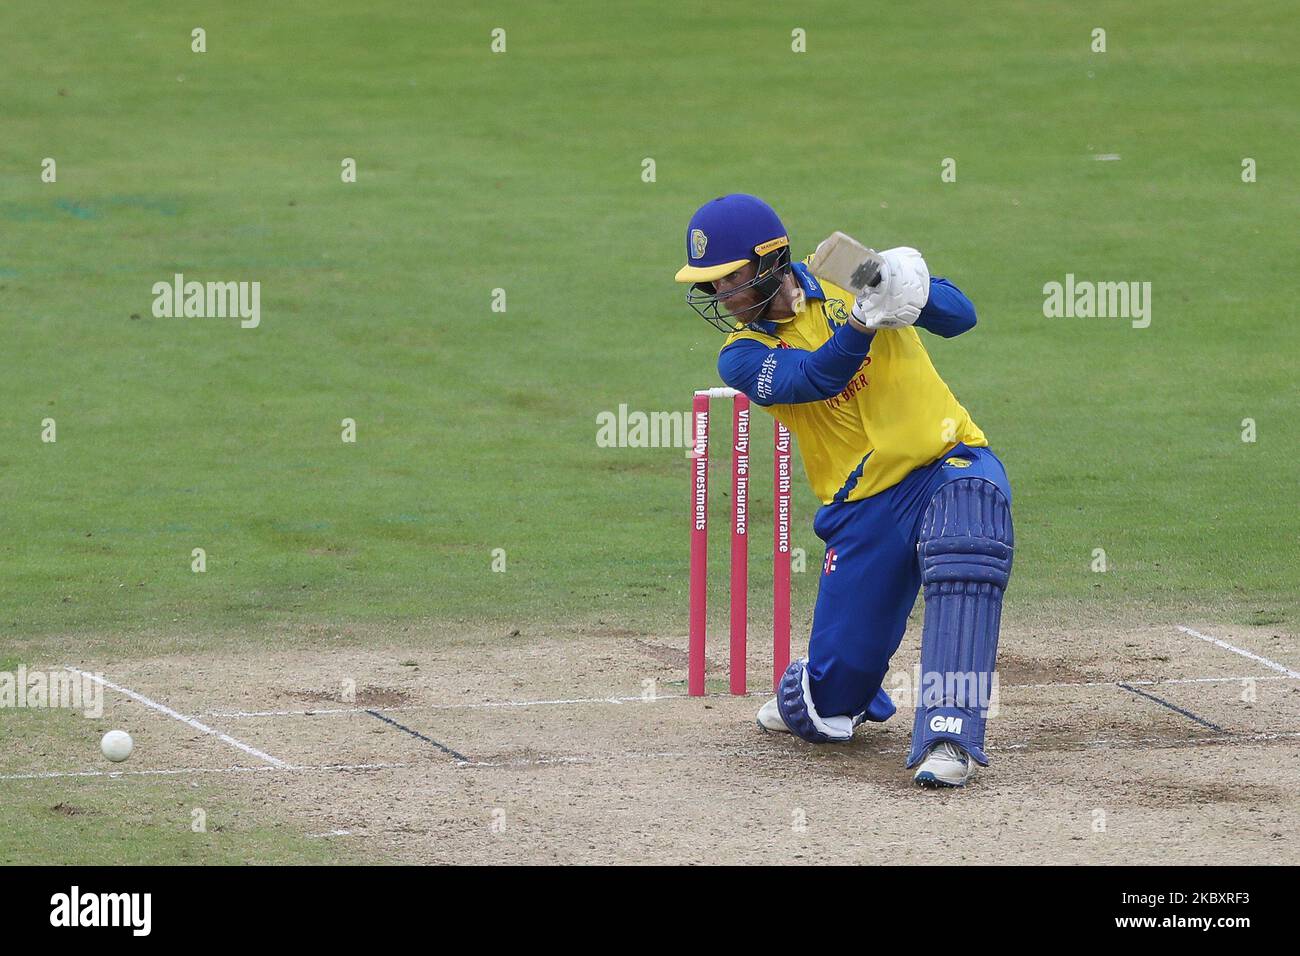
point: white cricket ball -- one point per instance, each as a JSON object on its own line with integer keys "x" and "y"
{"x": 117, "y": 745}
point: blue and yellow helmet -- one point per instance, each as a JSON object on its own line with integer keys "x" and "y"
{"x": 723, "y": 235}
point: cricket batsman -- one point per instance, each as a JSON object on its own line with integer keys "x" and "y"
{"x": 912, "y": 497}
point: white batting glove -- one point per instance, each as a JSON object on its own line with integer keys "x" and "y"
{"x": 904, "y": 289}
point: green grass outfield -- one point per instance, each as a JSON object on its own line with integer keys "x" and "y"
{"x": 523, "y": 171}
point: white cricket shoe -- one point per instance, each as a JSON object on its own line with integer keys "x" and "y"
{"x": 769, "y": 718}
{"x": 945, "y": 765}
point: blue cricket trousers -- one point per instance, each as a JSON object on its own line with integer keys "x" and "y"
{"x": 869, "y": 582}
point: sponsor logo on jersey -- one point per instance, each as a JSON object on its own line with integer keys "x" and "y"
{"x": 836, "y": 312}
{"x": 858, "y": 383}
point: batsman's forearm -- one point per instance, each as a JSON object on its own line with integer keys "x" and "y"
{"x": 947, "y": 312}
{"x": 790, "y": 376}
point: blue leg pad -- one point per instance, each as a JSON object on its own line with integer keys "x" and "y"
{"x": 794, "y": 701}
{"x": 965, "y": 548}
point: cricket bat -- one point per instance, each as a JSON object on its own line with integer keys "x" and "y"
{"x": 843, "y": 261}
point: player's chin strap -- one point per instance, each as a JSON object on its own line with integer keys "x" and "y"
{"x": 770, "y": 273}
{"x": 767, "y": 283}
{"x": 965, "y": 548}
{"x": 772, "y": 267}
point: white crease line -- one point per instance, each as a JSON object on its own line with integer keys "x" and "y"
{"x": 1143, "y": 683}
{"x": 638, "y": 699}
{"x": 562, "y": 760}
{"x": 285, "y": 768}
{"x": 480, "y": 705}
{"x": 188, "y": 721}
{"x": 1272, "y": 665}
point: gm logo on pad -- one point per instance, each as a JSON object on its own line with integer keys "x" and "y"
{"x": 945, "y": 725}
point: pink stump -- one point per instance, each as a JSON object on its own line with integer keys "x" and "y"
{"x": 739, "y": 540}
{"x": 781, "y": 552}
{"x": 699, "y": 543}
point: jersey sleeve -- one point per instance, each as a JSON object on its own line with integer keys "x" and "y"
{"x": 784, "y": 376}
{"x": 948, "y": 312}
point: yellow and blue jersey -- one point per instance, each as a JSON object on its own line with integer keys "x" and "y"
{"x": 865, "y": 408}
